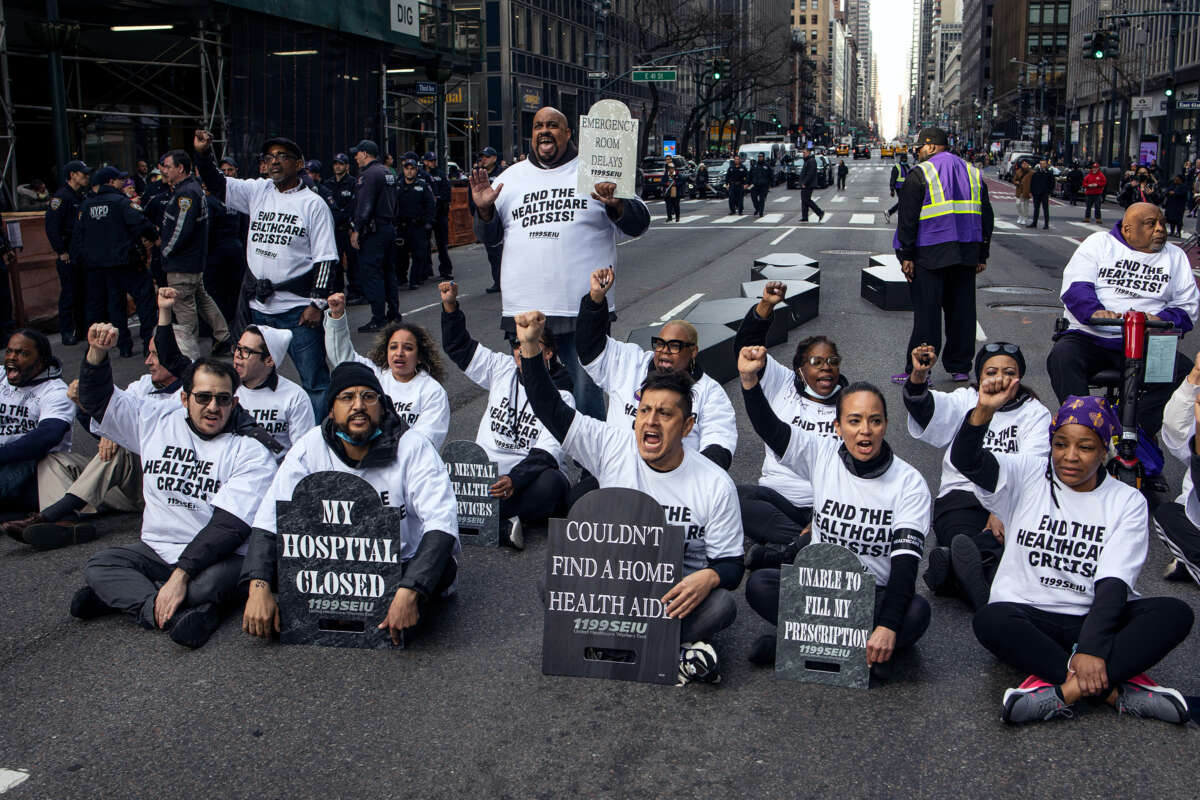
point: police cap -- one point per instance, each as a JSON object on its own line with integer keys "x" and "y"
{"x": 366, "y": 146}
{"x": 76, "y": 166}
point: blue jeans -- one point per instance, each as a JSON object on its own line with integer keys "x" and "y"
{"x": 588, "y": 397}
{"x": 307, "y": 351}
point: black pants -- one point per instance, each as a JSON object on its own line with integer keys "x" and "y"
{"x": 736, "y": 202}
{"x": 758, "y": 196}
{"x": 770, "y": 518}
{"x": 1090, "y": 201}
{"x": 1074, "y": 358}
{"x": 412, "y": 258}
{"x": 349, "y": 258}
{"x": 807, "y": 203}
{"x": 72, "y": 316}
{"x": 1073, "y": 195}
{"x": 958, "y": 513}
{"x": 441, "y": 235}
{"x": 223, "y": 275}
{"x": 894, "y": 208}
{"x": 1041, "y": 202}
{"x": 762, "y": 593}
{"x": 1039, "y": 643}
{"x": 672, "y": 207}
{"x": 1180, "y": 536}
{"x": 127, "y": 579}
{"x": 106, "y": 290}
{"x": 544, "y": 498}
{"x": 495, "y": 254}
{"x": 841, "y": 181}
{"x": 950, "y": 290}
{"x": 377, "y": 273}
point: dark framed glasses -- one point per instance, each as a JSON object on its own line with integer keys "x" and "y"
{"x": 224, "y": 400}
{"x": 672, "y": 346}
{"x": 368, "y": 397}
{"x": 278, "y": 157}
{"x": 246, "y": 352}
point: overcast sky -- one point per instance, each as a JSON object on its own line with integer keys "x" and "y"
{"x": 891, "y": 31}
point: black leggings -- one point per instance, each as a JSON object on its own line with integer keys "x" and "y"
{"x": 958, "y": 513}
{"x": 1039, "y": 643}
{"x": 545, "y": 497}
{"x": 1180, "y": 536}
{"x": 762, "y": 593}
{"x": 769, "y": 517}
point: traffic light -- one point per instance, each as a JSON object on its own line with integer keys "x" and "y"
{"x": 1170, "y": 90}
{"x": 1100, "y": 44}
{"x": 718, "y": 68}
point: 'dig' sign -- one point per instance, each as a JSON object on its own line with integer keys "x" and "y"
{"x": 338, "y": 562}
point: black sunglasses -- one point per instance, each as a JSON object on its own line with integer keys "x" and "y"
{"x": 670, "y": 345}
{"x": 204, "y": 398}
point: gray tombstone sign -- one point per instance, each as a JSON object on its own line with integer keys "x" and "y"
{"x": 338, "y": 562}
{"x": 608, "y": 139}
{"x": 471, "y": 474}
{"x": 826, "y": 613}
{"x": 607, "y": 567}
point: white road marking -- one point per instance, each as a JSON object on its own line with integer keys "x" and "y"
{"x": 674, "y": 312}
{"x": 781, "y": 199}
{"x": 689, "y": 202}
{"x": 727, "y": 220}
{"x": 769, "y": 219}
{"x": 12, "y": 777}
{"x": 1071, "y": 239}
{"x": 862, "y": 219}
{"x": 1087, "y": 225}
{"x": 839, "y": 199}
{"x": 980, "y": 336}
{"x": 870, "y": 199}
{"x": 682, "y": 220}
{"x": 1005, "y": 226}
{"x": 782, "y": 236}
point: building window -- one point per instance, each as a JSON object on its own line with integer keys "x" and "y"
{"x": 518, "y": 31}
{"x": 1064, "y": 14}
{"x": 1035, "y": 13}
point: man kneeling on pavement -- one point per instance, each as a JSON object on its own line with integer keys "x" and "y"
{"x": 204, "y": 467}
{"x": 364, "y": 436}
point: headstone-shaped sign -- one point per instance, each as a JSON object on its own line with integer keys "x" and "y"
{"x": 471, "y": 475}
{"x": 826, "y": 614}
{"x": 607, "y": 567}
{"x": 608, "y": 139}
{"x": 339, "y": 562}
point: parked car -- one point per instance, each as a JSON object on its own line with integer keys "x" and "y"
{"x": 653, "y": 168}
{"x": 1010, "y": 162}
{"x": 862, "y": 151}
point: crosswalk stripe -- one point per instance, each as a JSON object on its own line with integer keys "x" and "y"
{"x": 727, "y": 220}
{"x": 783, "y": 199}
{"x": 1087, "y": 225}
{"x": 870, "y": 199}
{"x": 682, "y": 220}
{"x": 839, "y": 199}
{"x": 862, "y": 219}
{"x": 1005, "y": 226}
{"x": 769, "y": 219}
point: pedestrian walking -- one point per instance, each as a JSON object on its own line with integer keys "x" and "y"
{"x": 1094, "y": 185}
{"x": 737, "y": 179}
{"x": 808, "y": 182}
{"x": 842, "y": 171}
{"x": 760, "y": 184}
{"x": 672, "y": 190}
{"x": 1041, "y": 186}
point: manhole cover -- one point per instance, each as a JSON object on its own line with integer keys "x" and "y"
{"x": 1027, "y": 308}
{"x": 847, "y": 252}
{"x": 1016, "y": 289}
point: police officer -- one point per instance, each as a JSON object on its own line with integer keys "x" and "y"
{"x": 372, "y": 234}
{"x": 341, "y": 189}
{"x": 942, "y": 240}
{"x": 226, "y": 266}
{"x": 896, "y": 183}
{"x": 737, "y": 179}
{"x": 441, "y": 221}
{"x": 416, "y": 207}
{"x": 107, "y": 246}
{"x": 60, "y": 224}
{"x": 229, "y": 166}
{"x": 760, "y": 183}
{"x": 489, "y": 161}
{"x": 313, "y": 167}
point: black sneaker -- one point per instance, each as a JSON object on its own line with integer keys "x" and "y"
{"x": 372, "y": 326}
{"x": 968, "y": 569}
{"x": 69, "y": 340}
{"x": 222, "y": 349}
{"x": 192, "y": 627}
{"x": 87, "y": 605}
{"x": 356, "y": 299}
{"x": 493, "y": 289}
{"x": 938, "y": 571}
{"x": 1176, "y": 571}
{"x": 762, "y": 652}
{"x": 53, "y": 535}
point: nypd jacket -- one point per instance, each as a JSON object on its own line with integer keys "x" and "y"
{"x": 60, "y": 218}
{"x": 374, "y": 198}
{"x": 415, "y": 203}
{"x": 440, "y": 184}
{"x": 342, "y": 191}
{"x": 184, "y": 230}
{"x": 107, "y": 231}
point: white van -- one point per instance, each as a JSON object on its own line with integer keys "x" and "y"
{"x": 773, "y": 151}
{"x": 1010, "y": 161}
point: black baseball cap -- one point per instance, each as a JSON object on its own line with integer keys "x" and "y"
{"x": 935, "y": 136}
{"x": 408, "y": 162}
{"x": 76, "y": 166}
{"x": 106, "y": 174}
{"x": 341, "y": 158}
{"x": 285, "y": 143}
{"x": 488, "y": 151}
{"x": 230, "y": 160}
{"x": 366, "y": 146}
{"x": 312, "y": 165}
{"x": 431, "y": 156}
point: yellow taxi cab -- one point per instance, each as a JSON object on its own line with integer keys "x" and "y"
{"x": 886, "y": 151}
{"x": 843, "y": 149}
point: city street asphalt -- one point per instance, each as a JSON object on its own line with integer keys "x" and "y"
{"x": 105, "y": 709}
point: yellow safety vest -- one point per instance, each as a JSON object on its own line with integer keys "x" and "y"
{"x": 938, "y": 205}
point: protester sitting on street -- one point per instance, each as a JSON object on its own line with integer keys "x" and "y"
{"x": 532, "y": 486}
{"x": 405, "y": 358}
{"x": 651, "y": 458}
{"x": 1062, "y": 605}
{"x": 777, "y": 510}
{"x": 35, "y": 430}
{"x": 970, "y": 540}
{"x": 1131, "y": 267}
{"x": 204, "y": 479}
{"x": 363, "y": 436}
{"x": 857, "y": 478}
{"x": 1179, "y": 522}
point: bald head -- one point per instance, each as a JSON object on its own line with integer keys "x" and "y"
{"x": 1144, "y": 227}
{"x": 550, "y": 136}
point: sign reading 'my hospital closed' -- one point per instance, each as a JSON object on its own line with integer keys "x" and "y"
{"x": 608, "y": 139}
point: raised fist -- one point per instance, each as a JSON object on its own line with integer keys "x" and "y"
{"x": 201, "y": 141}
{"x": 774, "y": 292}
{"x": 529, "y": 327}
{"x": 337, "y": 305}
{"x": 166, "y": 297}
{"x": 448, "y": 290}
{"x": 601, "y": 281}
{"x": 751, "y": 361}
{"x": 102, "y": 336}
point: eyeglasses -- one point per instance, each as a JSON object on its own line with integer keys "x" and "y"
{"x": 278, "y": 157}
{"x": 246, "y": 352}
{"x": 817, "y": 361}
{"x": 1001, "y": 347}
{"x": 204, "y": 398}
{"x": 368, "y": 398}
{"x": 672, "y": 346}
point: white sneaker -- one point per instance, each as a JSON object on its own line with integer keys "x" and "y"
{"x": 698, "y": 662}
{"x": 516, "y": 537}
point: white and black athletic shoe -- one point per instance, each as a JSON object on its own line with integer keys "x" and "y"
{"x": 698, "y": 663}
{"x": 511, "y": 533}
{"x": 1144, "y": 698}
{"x": 1176, "y": 571}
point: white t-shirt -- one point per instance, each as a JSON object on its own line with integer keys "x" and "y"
{"x": 1055, "y": 554}
{"x": 416, "y": 483}
{"x": 620, "y": 370}
{"x": 509, "y": 429}
{"x": 285, "y": 411}
{"x": 289, "y": 233}
{"x": 800, "y": 411}
{"x": 1025, "y": 430}
{"x": 144, "y": 389}
{"x": 553, "y": 239}
{"x": 697, "y": 495}
{"x": 184, "y": 476}
{"x": 1126, "y": 279}
{"x": 421, "y": 402}
{"x": 22, "y": 408}
{"x": 1179, "y": 425}
{"x": 862, "y": 514}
